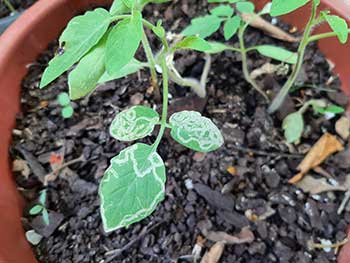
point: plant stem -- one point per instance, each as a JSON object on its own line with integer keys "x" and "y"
{"x": 9, "y": 6}
{"x": 282, "y": 94}
{"x": 163, "y": 123}
{"x": 323, "y": 35}
{"x": 245, "y": 63}
{"x": 152, "y": 64}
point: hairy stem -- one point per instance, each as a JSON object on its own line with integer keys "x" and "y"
{"x": 279, "y": 99}
{"x": 9, "y": 6}
{"x": 152, "y": 65}
{"x": 163, "y": 123}
{"x": 245, "y": 64}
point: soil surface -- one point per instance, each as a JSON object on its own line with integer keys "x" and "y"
{"x": 254, "y": 148}
{"x": 19, "y": 5}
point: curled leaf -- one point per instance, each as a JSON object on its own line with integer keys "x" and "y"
{"x": 324, "y": 147}
{"x": 214, "y": 254}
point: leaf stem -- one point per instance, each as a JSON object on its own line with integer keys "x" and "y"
{"x": 163, "y": 124}
{"x": 279, "y": 99}
{"x": 245, "y": 63}
{"x": 9, "y": 6}
{"x": 322, "y": 36}
{"x": 152, "y": 64}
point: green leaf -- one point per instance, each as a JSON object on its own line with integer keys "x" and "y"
{"x": 278, "y": 53}
{"x": 222, "y": 10}
{"x": 123, "y": 42}
{"x": 339, "y": 26}
{"x": 63, "y": 99}
{"x": 36, "y": 209}
{"x": 203, "y": 26}
{"x": 193, "y": 42}
{"x": 132, "y": 186}
{"x": 84, "y": 78}
{"x": 217, "y": 47}
{"x": 194, "y": 131}
{"x": 330, "y": 109}
{"x": 128, "y": 3}
{"x": 118, "y": 8}
{"x": 134, "y": 123}
{"x": 46, "y": 217}
{"x": 282, "y": 7}
{"x": 33, "y": 237}
{"x": 132, "y": 67}
{"x": 231, "y": 26}
{"x": 245, "y": 7}
{"x": 42, "y": 197}
{"x": 67, "y": 112}
{"x": 81, "y": 34}
{"x": 158, "y": 30}
{"x": 293, "y": 126}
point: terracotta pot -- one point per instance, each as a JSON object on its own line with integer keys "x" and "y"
{"x": 22, "y": 43}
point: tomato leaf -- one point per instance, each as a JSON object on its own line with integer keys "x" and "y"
{"x": 293, "y": 126}
{"x": 132, "y": 186}
{"x": 134, "y": 123}
{"x": 282, "y": 7}
{"x": 81, "y": 34}
{"x": 194, "y": 131}
{"x": 203, "y": 26}
{"x": 278, "y": 53}
{"x": 123, "y": 42}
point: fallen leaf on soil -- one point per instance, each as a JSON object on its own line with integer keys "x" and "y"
{"x": 231, "y": 170}
{"x": 342, "y": 127}
{"x": 324, "y": 147}
{"x": 344, "y": 254}
{"x": 314, "y": 186}
{"x": 271, "y": 30}
{"x": 267, "y": 68}
{"x": 245, "y": 236}
{"x": 44, "y": 103}
{"x": 136, "y": 99}
{"x": 214, "y": 254}
{"x": 22, "y": 167}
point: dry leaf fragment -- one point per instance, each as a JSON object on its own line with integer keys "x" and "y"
{"x": 214, "y": 254}
{"x": 267, "y": 68}
{"x": 342, "y": 127}
{"x": 314, "y": 186}
{"x": 231, "y": 170}
{"x": 245, "y": 236}
{"x": 322, "y": 149}
{"x": 271, "y": 30}
{"x": 22, "y": 167}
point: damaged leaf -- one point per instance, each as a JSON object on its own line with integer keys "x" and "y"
{"x": 314, "y": 186}
{"x": 324, "y": 147}
{"x": 214, "y": 254}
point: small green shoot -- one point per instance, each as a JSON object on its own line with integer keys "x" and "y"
{"x": 67, "y": 109}
{"x": 293, "y": 124}
{"x": 40, "y": 208}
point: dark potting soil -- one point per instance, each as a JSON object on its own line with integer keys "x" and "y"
{"x": 254, "y": 144}
{"x": 19, "y": 5}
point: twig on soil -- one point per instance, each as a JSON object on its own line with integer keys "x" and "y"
{"x": 271, "y": 154}
{"x": 64, "y": 165}
{"x": 116, "y": 252}
{"x": 313, "y": 245}
{"x": 344, "y": 202}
